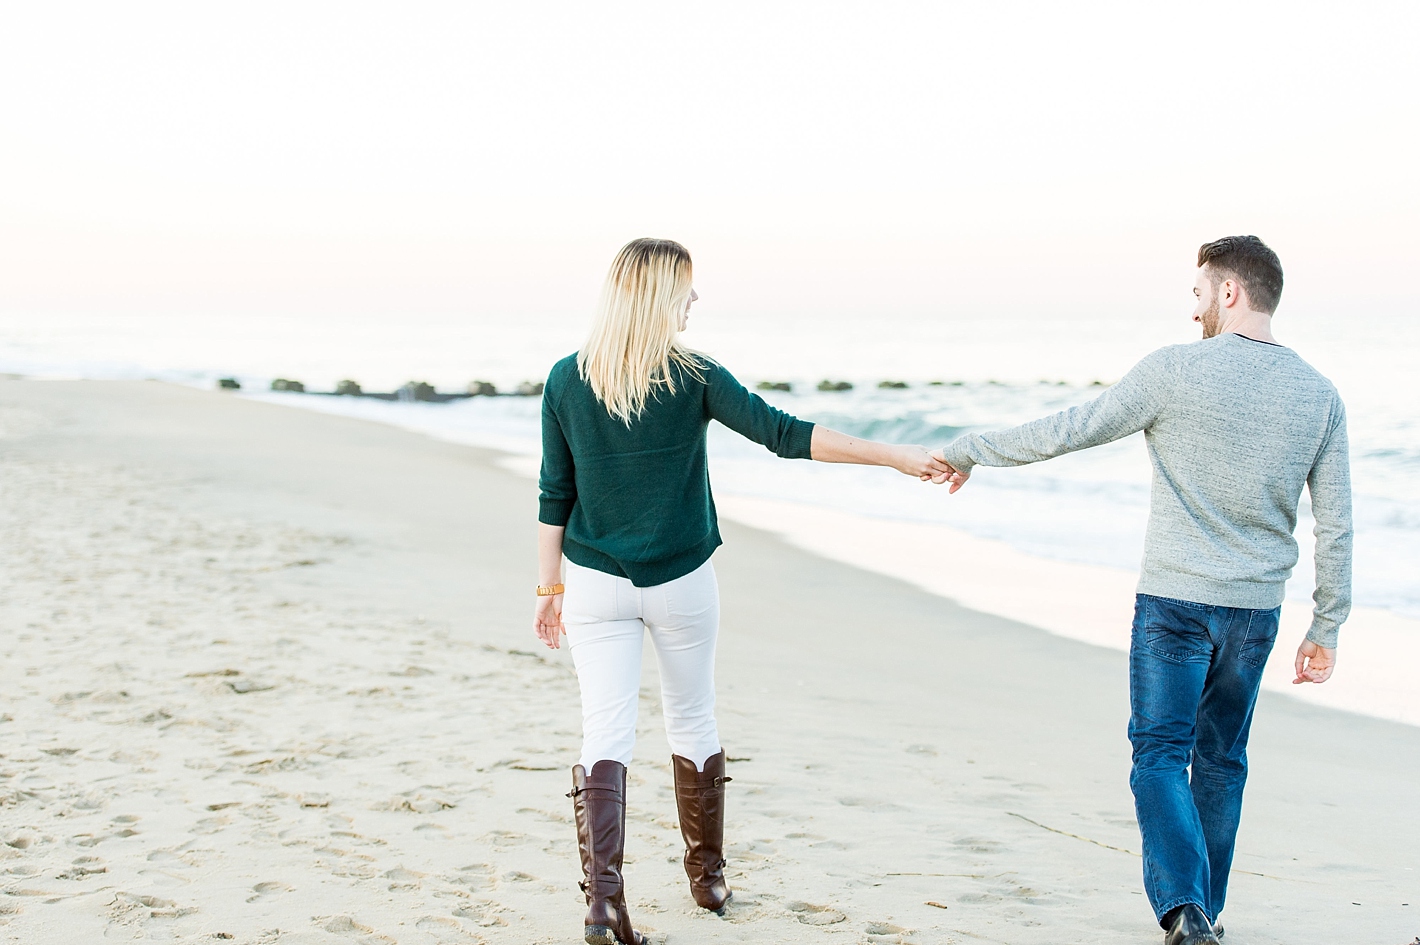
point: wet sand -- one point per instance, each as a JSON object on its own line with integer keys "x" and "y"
{"x": 268, "y": 677}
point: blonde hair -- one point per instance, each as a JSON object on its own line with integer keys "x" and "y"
{"x": 628, "y": 356}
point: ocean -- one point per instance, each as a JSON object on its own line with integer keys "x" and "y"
{"x": 961, "y": 374}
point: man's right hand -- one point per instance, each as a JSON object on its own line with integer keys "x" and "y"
{"x": 1314, "y": 663}
{"x": 956, "y": 477}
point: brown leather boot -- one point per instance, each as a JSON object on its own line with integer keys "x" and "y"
{"x": 700, "y": 801}
{"x": 599, "y": 804}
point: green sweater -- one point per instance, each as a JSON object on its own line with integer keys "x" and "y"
{"x": 636, "y": 500}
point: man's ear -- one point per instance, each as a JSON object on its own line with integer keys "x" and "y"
{"x": 1229, "y": 293}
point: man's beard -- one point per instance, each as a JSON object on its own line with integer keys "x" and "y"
{"x": 1210, "y": 319}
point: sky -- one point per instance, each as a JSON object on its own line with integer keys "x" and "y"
{"x": 942, "y": 160}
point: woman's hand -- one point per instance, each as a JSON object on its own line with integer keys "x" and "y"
{"x": 547, "y": 621}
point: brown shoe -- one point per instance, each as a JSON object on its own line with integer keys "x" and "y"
{"x": 599, "y": 803}
{"x": 700, "y": 801}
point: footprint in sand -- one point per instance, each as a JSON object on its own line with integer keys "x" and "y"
{"x": 444, "y": 929}
{"x": 345, "y": 925}
{"x": 515, "y": 876}
{"x": 886, "y": 932}
{"x": 502, "y": 840}
{"x": 977, "y": 845}
{"x": 474, "y": 876}
{"x": 267, "y": 890}
{"x": 484, "y": 914}
{"x": 403, "y": 879}
{"x": 83, "y": 867}
{"x": 810, "y": 914}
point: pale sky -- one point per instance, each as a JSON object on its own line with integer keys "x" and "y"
{"x": 948, "y": 159}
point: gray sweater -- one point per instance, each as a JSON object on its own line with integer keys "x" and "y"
{"x": 1234, "y": 428}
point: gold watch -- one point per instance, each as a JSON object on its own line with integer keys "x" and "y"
{"x": 549, "y": 590}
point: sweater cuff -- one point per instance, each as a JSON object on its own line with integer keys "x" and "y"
{"x": 1323, "y": 635}
{"x": 956, "y": 456}
{"x": 798, "y": 442}
{"x": 554, "y": 511}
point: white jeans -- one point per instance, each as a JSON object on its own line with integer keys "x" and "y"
{"x": 605, "y": 617}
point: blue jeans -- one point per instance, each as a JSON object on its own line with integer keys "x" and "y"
{"x": 1194, "y": 672}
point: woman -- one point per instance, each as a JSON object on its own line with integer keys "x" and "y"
{"x": 626, "y": 498}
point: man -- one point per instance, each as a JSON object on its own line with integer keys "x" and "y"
{"x": 1235, "y": 425}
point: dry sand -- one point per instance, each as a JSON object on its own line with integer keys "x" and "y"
{"x": 268, "y": 677}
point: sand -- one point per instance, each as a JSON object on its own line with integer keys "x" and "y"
{"x": 268, "y": 676}
{"x": 1089, "y": 603}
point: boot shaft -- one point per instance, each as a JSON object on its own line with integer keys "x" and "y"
{"x": 599, "y": 806}
{"x": 700, "y": 804}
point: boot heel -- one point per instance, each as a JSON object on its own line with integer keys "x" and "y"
{"x": 600, "y": 935}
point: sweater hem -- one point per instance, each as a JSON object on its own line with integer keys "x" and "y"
{"x": 1245, "y": 595}
{"x": 643, "y": 573}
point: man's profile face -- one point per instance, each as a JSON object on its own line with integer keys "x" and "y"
{"x": 1206, "y": 312}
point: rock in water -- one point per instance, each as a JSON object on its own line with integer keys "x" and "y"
{"x": 827, "y": 385}
{"x": 417, "y": 390}
{"x": 892, "y": 385}
{"x": 295, "y": 387}
{"x": 530, "y": 389}
{"x": 775, "y": 385}
{"x": 229, "y": 383}
{"x": 482, "y": 389}
{"x": 348, "y": 387}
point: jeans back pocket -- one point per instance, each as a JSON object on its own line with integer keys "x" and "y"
{"x": 1175, "y": 630}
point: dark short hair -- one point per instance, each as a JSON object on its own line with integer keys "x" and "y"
{"x": 1252, "y": 263}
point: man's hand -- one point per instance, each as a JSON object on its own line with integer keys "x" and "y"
{"x": 547, "y": 621}
{"x": 1314, "y": 663}
{"x": 954, "y": 476}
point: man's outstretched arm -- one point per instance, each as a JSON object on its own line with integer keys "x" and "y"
{"x": 1127, "y": 407}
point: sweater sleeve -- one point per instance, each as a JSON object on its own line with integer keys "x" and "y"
{"x": 557, "y": 480}
{"x": 1127, "y": 407}
{"x": 1329, "y": 485}
{"x": 748, "y": 415}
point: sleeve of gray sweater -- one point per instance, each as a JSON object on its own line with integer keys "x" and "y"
{"x": 1329, "y": 485}
{"x": 1124, "y": 409}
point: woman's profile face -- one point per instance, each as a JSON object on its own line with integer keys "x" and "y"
{"x": 685, "y": 315}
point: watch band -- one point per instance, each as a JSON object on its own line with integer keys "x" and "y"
{"x": 549, "y": 590}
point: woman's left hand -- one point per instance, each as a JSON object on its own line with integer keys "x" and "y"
{"x": 547, "y": 621}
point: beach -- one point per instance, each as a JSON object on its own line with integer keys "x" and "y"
{"x": 269, "y": 676}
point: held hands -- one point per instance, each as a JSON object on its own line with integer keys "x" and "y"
{"x": 1314, "y": 663}
{"x": 547, "y": 621}
{"x": 951, "y": 474}
{"x": 916, "y": 461}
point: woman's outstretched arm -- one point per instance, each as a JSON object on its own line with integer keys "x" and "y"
{"x": 547, "y": 619}
{"x": 830, "y": 446}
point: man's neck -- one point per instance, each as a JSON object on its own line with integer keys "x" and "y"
{"x": 1249, "y": 324}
